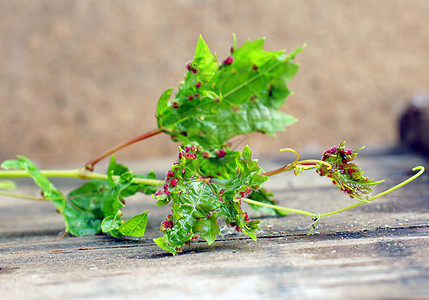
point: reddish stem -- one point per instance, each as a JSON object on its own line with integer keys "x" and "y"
{"x": 90, "y": 165}
{"x": 287, "y": 168}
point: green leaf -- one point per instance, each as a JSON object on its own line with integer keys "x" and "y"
{"x": 48, "y": 189}
{"x": 241, "y": 95}
{"x": 202, "y": 67}
{"x": 133, "y": 188}
{"x": 111, "y": 225}
{"x": 113, "y": 202}
{"x": 345, "y": 174}
{"x": 218, "y": 163}
{"x": 207, "y": 228}
{"x": 84, "y": 208}
{"x": 162, "y": 104}
{"x": 246, "y": 154}
{"x": 95, "y": 206}
{"x": 136, "y": 226}
{"x": 13, "y": 164}
{"x": 81, "y": 209}
{"x": 78, "y": 220}
{"x": 199, "y": 200}
{"x": 163, "y": 245}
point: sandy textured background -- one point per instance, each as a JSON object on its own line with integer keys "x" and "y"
{"x": 77, "y": 77}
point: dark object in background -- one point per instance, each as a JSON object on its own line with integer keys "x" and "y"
{"x": 414, "y": 124}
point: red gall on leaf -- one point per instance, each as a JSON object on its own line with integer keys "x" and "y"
{"x": 228, "y": 60}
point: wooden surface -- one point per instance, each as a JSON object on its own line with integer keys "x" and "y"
{"x": 376, "y": 251}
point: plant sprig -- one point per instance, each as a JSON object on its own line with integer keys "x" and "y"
{"x": 420, "y": 170}
{"x": 209, "y": 181}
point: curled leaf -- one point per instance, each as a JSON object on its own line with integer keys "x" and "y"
{"x": 344, "y": 173}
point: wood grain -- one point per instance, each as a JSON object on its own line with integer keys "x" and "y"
{"x": 378, "y": 251}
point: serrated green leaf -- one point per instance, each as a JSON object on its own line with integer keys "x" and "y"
{"x": 198, "y": 200}
{"x": 219, "y": 101}
{"x": 136, "y": 226}
{"x": 203, "y": 58}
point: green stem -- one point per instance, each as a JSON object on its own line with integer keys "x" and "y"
{"x": 20, "y": 196}
{"x": 292, "y": 210}
{"x": 76, "y": 173}
{"x": 291, "y": 166}
{"x": 318, "y": 216}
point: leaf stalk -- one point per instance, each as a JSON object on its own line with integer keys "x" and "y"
{"x": 90, "y": 164}
{"x": 291, "y": 166}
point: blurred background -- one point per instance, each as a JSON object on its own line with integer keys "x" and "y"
{"x": 77, "y": 77}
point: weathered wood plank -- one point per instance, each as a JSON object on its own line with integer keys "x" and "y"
{"x": 377, "y": 251}
{"x": 369, "y": 264}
